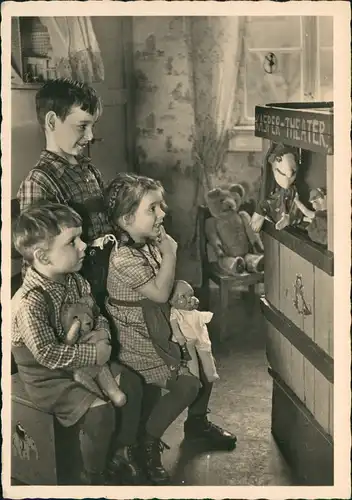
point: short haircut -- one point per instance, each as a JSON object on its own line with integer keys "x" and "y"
{"x": 125, "y": 193}
{"x": 61, "y": 95}
{"x": 38, "y": 224}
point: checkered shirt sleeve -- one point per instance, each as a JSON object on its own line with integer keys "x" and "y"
{"x": 35, "y": 188}
{"x": 131, "y": 267}
{"x": 37, "y": 334}
{"x": 31, "y": 327}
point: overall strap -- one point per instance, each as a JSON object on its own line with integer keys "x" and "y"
{"x": 78, "y": 285}
{"x": 48, "y": 301}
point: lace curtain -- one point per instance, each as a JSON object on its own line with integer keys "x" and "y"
{"x": 215, "y": 51}
{"x": 75, "y": 50}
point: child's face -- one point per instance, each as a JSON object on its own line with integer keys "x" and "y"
{"x": 149, "y": 216}
{"x": 66, "y": 252}
{"x": 71, "y": 135}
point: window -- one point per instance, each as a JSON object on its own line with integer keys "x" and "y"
{"x": 285, "y": 59}
{"x": 325, "y": 58}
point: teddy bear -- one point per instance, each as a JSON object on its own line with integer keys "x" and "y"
{"x": 278, "y": 191}
{"x": 78, "y": 321}
{"x": 189, "y": 330}
{"x": 231, "y": 242}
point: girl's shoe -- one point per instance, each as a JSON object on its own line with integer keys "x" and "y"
{"x": 124, "y": 465}
{"x": 152, "y": 449}
{"x": 199, "y": 427}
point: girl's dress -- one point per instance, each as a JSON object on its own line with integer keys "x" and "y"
{"x": 142, "y": 327}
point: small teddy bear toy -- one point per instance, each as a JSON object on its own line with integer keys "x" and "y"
{"x": 78, "y": 323}
{"x": 232, "y": 243}
{"x": 278, "y": 190}
{"x": 190, "y": 331}
{"x": 317, "y": 218}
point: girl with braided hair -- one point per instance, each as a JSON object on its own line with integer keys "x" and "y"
{"x": 139, "y": 284}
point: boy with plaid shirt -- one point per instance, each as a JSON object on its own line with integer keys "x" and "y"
{"x": 48, "y": 236}
{"x": 67, "y": 112}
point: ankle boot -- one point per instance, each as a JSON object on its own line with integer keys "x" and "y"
{"x": 152, "y": 448}
{"x": 124, "y": 464}
{"x": 199, "y": 427}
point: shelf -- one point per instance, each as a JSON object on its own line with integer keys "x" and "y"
{"x": 26, "y": 86}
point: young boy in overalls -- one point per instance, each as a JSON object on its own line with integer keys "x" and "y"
{"x": 48, "y": 236}
{"x": 67, "y": 112}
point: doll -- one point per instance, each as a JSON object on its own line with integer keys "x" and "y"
{"x": 78, "y": 323}
{"x": 316, "y": 218}
{"x": 278, "y": 190}
{"x": 190, "y": 330}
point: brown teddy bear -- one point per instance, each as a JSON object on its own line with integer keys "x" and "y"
{"x": 231, "y": 241}
{"x": 78, "y": 323}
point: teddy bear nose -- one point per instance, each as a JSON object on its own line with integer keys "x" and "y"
{"x": 229, "y": 204}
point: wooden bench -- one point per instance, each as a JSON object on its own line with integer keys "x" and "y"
{"x": 210, "y": 272}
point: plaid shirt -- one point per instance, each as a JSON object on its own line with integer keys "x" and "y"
{"x": 78, "y": 184}
{"x": 129, "y": 269}
{"x": 31, "y": 321}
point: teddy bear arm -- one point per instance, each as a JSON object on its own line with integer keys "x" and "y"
{"x": 213, "y": 237}
{"x": 73, "y": 333}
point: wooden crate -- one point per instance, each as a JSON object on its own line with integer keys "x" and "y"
{"x": 42, "y": 452}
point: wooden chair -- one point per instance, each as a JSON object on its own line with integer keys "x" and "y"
{"x": 210, "y": 271}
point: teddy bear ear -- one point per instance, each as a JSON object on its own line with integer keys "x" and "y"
{"x": 239, "y": 189}
{"x": 214, "y": 193}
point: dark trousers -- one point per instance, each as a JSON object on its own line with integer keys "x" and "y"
{"x": 158, "y": 411}
{"x": 104, "y": 428}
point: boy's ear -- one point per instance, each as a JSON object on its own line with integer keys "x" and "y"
{"x": 40, "y": 255}
{"x": 50, "y": 119}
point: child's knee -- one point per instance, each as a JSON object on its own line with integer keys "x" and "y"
{"x": 190, "y": 386}
{"x": 98, "y": 418}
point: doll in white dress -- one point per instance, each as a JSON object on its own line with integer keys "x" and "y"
{"x": 189, "y": 327}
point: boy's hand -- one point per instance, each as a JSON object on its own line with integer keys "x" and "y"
{"x": 166, "y": 244}
{"x": 94, "y": 336}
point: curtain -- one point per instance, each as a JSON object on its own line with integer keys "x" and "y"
{"x": 75, "y": 50}
{"x": 215, "y": 50}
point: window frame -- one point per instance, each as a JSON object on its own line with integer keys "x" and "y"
{"x": 242, "y": 137}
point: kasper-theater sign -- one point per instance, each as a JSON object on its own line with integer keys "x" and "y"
{"x": 304, "y": 128}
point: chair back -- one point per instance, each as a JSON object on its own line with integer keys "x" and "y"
{"x": 203, "y": 215}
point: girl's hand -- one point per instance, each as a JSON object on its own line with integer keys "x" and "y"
{"x": 165, "y": 243}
